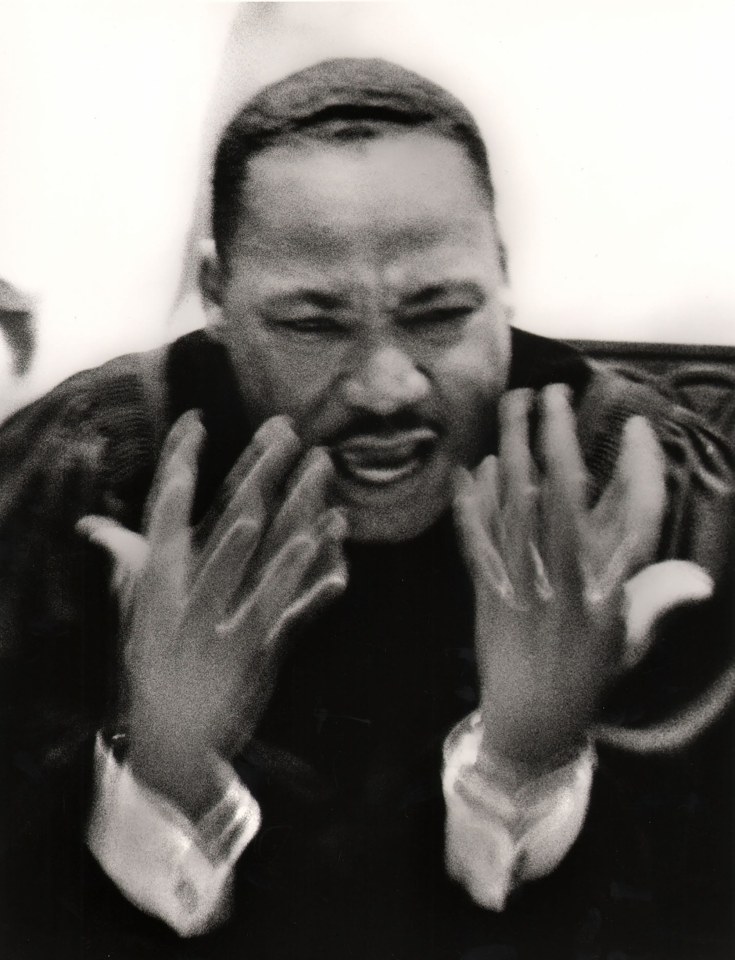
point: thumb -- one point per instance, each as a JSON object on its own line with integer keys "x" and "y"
{"x": 654, "y": 591}
{"x": 128, "y": 550}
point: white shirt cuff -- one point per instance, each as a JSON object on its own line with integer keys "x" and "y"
{"x": 497, "y": 838}
{"x": 168, "y": 866}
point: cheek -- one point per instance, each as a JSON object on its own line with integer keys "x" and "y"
{"x": 274, "y": 380}
{"x": 471, "y": 377}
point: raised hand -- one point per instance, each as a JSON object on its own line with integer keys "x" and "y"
{"x": 206, "y": 613}
{"x": 549, "y": 574}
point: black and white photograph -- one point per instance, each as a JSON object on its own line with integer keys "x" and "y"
{"x": 367, "y": 480}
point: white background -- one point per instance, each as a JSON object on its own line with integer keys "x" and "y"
{"x": 611, "y": 126}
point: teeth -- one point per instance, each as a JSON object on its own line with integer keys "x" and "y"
{"x": 380, "y": 475}
{"x": 379, "y": 460}
{"x": 394, "y": 445}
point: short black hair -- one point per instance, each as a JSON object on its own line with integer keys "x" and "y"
{"x": 344, "y": 100}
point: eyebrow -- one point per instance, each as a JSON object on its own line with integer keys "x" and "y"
{"x": 309, "y": 296}
{"x": 435, "y": 291}
{"x": 331, "y": 299}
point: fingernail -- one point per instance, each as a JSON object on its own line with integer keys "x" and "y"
{"x": 638, "y": 426}
{"x": 87, "y": 526}
{"x": 191, "y": 420}
{"x": 330, "y": 588}
{"x": 461, "y": 481}
{"x": 520, "y": 397}
{"x": 318, "y": 458}
{"x": 193, "y": 431}
{"x": 337, "y": 525}
{"x": 557, "y": 394}
{"x": 273, "y": 428}
{"x": 338, "y": 581}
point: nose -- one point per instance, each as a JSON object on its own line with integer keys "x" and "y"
{"x": 385, "y": 381}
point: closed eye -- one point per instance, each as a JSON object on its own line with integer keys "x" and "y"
{"x": 315, "y": 324}
{"x": 437, "y": 316}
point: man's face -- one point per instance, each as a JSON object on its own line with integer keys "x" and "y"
{"x": 361, "y": 298}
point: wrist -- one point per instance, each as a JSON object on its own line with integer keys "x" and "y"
{"x": 516, "y": 768}
{"x": 194, "y": 781}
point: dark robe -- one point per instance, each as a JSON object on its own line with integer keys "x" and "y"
{"x": 346, "y": 763}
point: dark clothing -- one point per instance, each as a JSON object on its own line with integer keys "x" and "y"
{"x": 346, "y": 765}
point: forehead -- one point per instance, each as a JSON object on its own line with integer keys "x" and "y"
{"x": 408, "y": 191}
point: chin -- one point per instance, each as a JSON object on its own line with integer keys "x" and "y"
{"x": 394, "y": 523}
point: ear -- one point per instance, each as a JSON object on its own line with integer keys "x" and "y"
{"x": 211, "y": 275}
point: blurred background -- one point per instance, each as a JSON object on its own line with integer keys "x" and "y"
{"x": 610, "y": 126}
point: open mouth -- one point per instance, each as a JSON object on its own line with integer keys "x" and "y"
{"x": 380, "y": 459}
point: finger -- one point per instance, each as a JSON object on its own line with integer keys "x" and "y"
{"x": 486, "y": 492}
{"x": 128, "y": 550}
{"x": 636, "y": 497}
{"x": 305, "y": 500}
{"x": 479, "y": 551}
{"x": 262, "y": 473}
{"x": 515, "y": 456}
{"x": 225, "y": 568}
{"x": 624, "y": 527}
{"x": 563, "y": 492}
{"x": 308, "y": 557}
{"x": 326, "y": 577}
{"x": 322, "y": 579}
{"x": 186, "y": 432}
{"x": 227, "y": 562}
{"x": 541, "y": 584}
{"x": 637, "y": 443}
{"x": 655, "y": 591}
{"x": 563, "y": 463}
{"x": 257, "y": 633}
{"x": 170, "y": 511}
{"x": 519, "y": 491}
{"x": 319, "y": 595}
{"x": 268, "y": 434}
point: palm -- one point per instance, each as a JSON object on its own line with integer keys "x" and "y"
{"x": 205, "y": 612}
{"x": 549, "y": 574}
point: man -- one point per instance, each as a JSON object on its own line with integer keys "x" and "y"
{"x": 312, "y": 719}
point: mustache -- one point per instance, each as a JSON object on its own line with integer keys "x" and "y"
{"x": 375, "y": 424}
